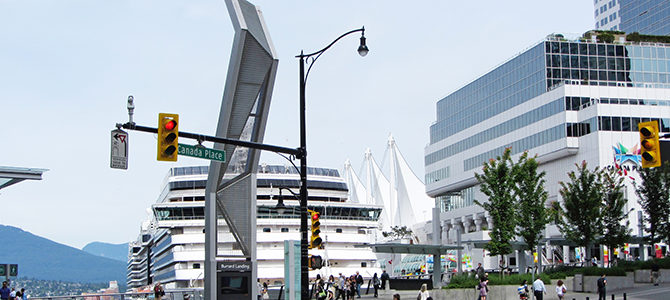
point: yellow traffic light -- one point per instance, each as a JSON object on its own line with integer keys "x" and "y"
{"x": 650, "y": 149}
{"x": 168, "y": 136}
{"x": 315, "y": 240}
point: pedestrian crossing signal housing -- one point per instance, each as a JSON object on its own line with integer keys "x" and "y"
{"x": 650, "y": 150}
{"x": 168, "y": 136}
{"x": 315, "y": 262}
{"x": 315, "y": 240}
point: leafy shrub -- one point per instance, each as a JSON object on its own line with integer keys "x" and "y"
{"x": 465, "y": 281}
{"x": 637, "y": 37}
{"x": 560, "y": 271}
{"x": 605, "y": 37}
{"x": 596, "y": 271}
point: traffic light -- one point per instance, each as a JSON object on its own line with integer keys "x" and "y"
{"x": 168, "y": 136}
{"x": 316, "y": 229}
{"x": 315, "y": 262}
{"x": 649, "y": 144}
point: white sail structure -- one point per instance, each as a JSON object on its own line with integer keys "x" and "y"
{"x": 357, "y": 191}
{"x": 414, "y": 205}
{"x": 402, "y": 194}
{"x": 379, "y": 191}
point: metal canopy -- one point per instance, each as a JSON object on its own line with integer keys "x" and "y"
{"x": 12, "y": 175}
{"x": 409, "y": 248}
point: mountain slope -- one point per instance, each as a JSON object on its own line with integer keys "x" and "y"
{"x": 114, "y": 251}
{"x": 41, "y": 258}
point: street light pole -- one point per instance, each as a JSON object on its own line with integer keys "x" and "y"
{"x": 304, "y": 270}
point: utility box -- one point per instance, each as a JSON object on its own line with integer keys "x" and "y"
{"x": 578, "y": 285}
{"x": 233, "y": 280}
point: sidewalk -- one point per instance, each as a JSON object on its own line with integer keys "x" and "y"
{"x": 640, "y": 291}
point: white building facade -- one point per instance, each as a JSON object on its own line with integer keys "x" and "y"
{"x": 566, "y": 101}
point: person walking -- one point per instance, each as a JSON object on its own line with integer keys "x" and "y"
{"x": 384, "y": 277}
{"x": 341, "y": 288}
{"x": 479, "y": 271}
{"x": 483, "y": 288}
{"x": 423, "y": 293}
{"x": 352, "y": 287}
{"x": 561, "y": 290}
{"x": 538, "y": 289}
{"x": 4, "y": 291}
{"x": 359, "y": 282}
{"x": 376, "y": 283}
{"x": 602, "y": 285}
{"x": 655, "y": 272}
{"x": 522, "y": 290}
{"x": 264, "y": 291}
{"x": 158, "y": 291}
{"x": 259, "y": 285}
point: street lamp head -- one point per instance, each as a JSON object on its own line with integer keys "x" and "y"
{"x": 363, "y": 49}
{"x": 281, "y": 208}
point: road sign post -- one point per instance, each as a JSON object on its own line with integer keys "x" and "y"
{"x": 119, "y": 152}
{"x": 202, "y": 152}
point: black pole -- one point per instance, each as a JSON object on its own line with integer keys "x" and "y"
{"x": 302, "y": 155}
{"x": 304, "y": 271}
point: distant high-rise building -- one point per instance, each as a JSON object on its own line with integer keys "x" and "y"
{"x": 647, "y": 17}
{"x": 606, "y": 14}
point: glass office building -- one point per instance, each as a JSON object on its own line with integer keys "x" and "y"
{"x": 566, "y": 101}
{"x": 647, "y": 17}
{"x": 650, "y": 17}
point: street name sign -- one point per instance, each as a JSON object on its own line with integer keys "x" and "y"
{"x": 119, "y": 151}
{"x": 202, "y": 152}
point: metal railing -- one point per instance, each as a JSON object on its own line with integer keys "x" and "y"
{"x": 179, "y": 294}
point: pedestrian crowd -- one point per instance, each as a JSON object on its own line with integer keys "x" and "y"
{"x": 343, "y": 287}
{"x": 12, "y": 294}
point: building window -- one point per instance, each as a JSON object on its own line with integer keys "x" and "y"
{"x": 196, "y": 266}
{"x": 284, "y": 229}
{"x": 338, "y": 230}
{"x": 267, "y": 230}
{"x": 364, "y": 265}
{"x": 361, "y": 231}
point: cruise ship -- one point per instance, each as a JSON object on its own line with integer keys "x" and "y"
{"x": 170, "y": 248}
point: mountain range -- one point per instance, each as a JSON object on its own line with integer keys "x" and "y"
{"x": 41, "y": 258}
{"x": 114, "y": 251}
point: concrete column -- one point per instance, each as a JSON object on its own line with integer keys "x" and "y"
{"x": 437, "y": 228}
{"x": 446, "y": 237}
{"x": 456, "y": 224}
{"x": 489, "y": 221}
{"x": 478, "y": 223}
{"x": 466, "y": 224}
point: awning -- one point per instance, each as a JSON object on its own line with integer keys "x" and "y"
{"x": 410, "y": 248}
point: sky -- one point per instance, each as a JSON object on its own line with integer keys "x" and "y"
{"x": 67, "y": 68}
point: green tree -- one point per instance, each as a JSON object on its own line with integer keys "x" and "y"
{"x": 398, "y": 232}
{"x": 615, "y": 233}
{"x": 532, "y": 216}
{"x": 654, "y": 196}
{"x": 497, "y": 183}
{"x": 582, "y": 200}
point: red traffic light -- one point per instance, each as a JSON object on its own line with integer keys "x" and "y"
{"x": 170, "y": 125}
{"x": 315, "y": 216}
